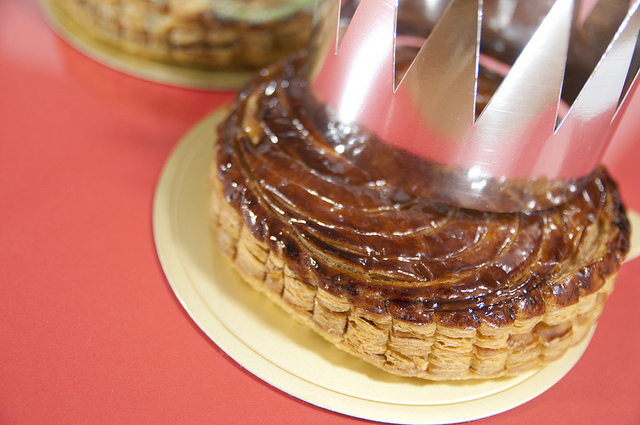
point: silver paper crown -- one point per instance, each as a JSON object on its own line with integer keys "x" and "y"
{"x": 526, "y": 132}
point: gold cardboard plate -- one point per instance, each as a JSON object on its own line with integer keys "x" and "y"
{"x": 266, "y": 341}
{"x": 159, "y": 72}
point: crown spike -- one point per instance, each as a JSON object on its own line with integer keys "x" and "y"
{"x": 364, "y": 56}
{"x": 516, "y": 140}
{"x": 595, "y": 108}
{"x": 604, "y": 88}
{"x": 534, "y": 84}
{"x": 441, "y": 80}
{"x": 525, "y": 105}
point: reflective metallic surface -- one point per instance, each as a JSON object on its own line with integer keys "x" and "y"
{"x": 408, "y": 71}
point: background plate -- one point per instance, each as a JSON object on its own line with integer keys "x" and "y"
{"x": 159, "y": 72}
{"x": 268, "y": 343}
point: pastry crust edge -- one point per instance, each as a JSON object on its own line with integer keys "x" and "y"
{"x": 433, "y": 351}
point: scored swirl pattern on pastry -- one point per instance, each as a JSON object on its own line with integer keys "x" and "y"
{"x": 413, "y": 286}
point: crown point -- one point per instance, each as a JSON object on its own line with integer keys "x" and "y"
{"x": 414, "y": 83}
{"x": 442, "y": 77}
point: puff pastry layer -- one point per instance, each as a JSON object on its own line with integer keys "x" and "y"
{"x": 218, "y": 34}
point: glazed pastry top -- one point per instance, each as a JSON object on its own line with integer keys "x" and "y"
{"x": 346, "y": 211}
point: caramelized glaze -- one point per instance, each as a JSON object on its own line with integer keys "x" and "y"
{"x": 347, "y": 213}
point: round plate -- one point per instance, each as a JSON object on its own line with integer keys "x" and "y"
{"x": 266, "y": 341}
{"x": 159, "y": 72}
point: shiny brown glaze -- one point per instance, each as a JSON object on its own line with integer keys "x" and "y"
{"x": 312, "y": 190}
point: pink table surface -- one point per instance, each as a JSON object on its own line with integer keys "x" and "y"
{"x": 90, "y": 330}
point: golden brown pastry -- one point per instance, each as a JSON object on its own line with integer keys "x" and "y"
{"x": 219, "y": 34}
{"x": 414, "y": 287}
